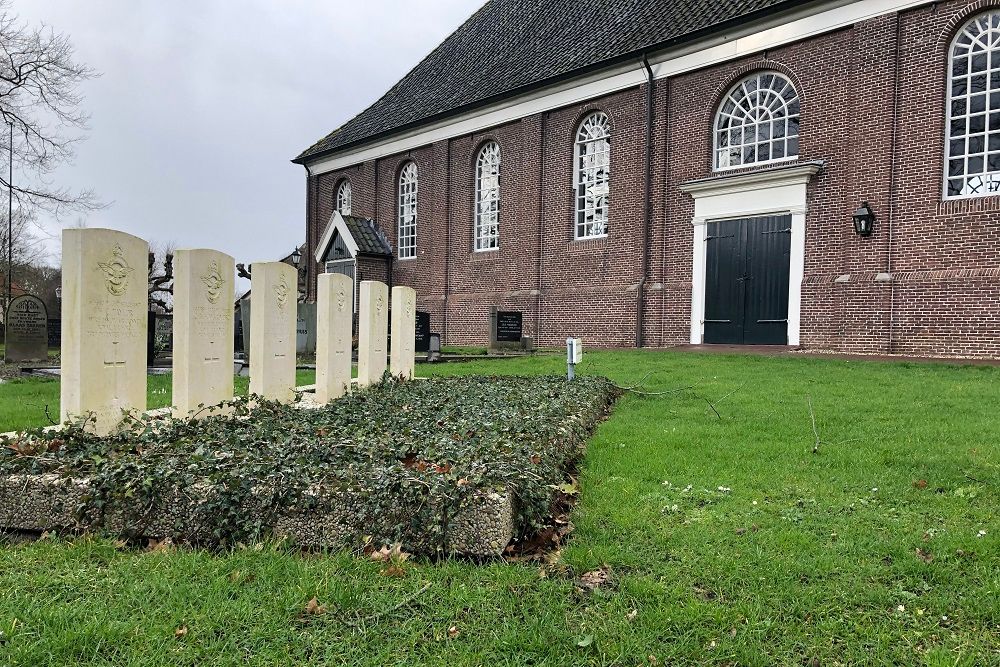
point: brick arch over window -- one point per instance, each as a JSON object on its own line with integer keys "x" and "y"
{"x": 958, "y": 21}
{"x": 734, "y": 77}
{"x": 756, "y": 121}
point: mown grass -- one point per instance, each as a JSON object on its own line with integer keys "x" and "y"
{"x": 729, "y": 540}
{"x": 23, "y": 401}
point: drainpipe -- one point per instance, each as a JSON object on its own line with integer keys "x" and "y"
{"x": 646, "y": 206}
{"x": 310, "y": 250}
{"x": 447, "y": 236}
{"x": 891, "y": 222}
{"x": 541, "y": 228}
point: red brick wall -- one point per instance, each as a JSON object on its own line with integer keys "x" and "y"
{"x": 878, "y": 128}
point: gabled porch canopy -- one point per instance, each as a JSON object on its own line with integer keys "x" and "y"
{"x": 348, "y": 236}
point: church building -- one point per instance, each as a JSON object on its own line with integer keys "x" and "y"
{"x": 821, "y": 174}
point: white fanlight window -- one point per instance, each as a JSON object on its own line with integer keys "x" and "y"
{"x": 343, "y": 198}
{"x": 487, "y": 222}
{"x": 972, "y": 166}
{"x": 592, "y": 176}
{"x": 758, "y": 122}
{"x": 407, "y": 217}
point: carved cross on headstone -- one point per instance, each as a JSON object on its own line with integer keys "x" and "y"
{"x": 116, "y": 365}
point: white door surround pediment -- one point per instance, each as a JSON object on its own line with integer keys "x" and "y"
{"x": 780, "y": 190}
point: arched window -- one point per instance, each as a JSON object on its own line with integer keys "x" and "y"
{"x": 758, "y": 122}
{"x": 592, "y": 176}
{"x": 407, "y": 220}
{"x": 487, "y": 223}
{"x": 973, "y": 163}
{"x": 343, "y": 198}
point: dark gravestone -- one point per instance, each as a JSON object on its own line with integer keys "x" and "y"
{"x": 422, "y": 332}
{"x": 55, "y": 333}
{"x": 509, "y": 327}
{"x": 27, "y": 334}
{"x": 150, "y": 337}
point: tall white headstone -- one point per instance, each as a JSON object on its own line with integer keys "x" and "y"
{"x": 404, "y": 330}
{"x": 105, "y": 301}
{"x": 203, "y": 330}
{"x": 373, "y": 325}
{"x": 334, "y": 324}
{"x": 274, "y": 298}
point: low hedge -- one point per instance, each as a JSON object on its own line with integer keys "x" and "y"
{"x": 408, "y": 454}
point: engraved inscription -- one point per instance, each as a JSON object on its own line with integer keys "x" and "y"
{"x": 116, "y": 271}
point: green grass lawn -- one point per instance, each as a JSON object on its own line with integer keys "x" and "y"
{"x": 729, "y": 541}
{"x": 23, "y": 400}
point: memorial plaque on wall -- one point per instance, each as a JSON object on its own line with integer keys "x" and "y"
{"x": 509, "y": 327}
{"x": 27, "y": 332}
{"x": 422, "y": 332}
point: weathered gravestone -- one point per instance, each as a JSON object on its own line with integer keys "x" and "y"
{"x": 105, "y": 301}
{"x": 373, "y": 325}
{"x": 203, "y": 329}
{"x": 274, "y": 295}
{"x": 26, "y": 332}
{"x": 404, "y": 307}
{"x": 422, "y": 332}
{"x": 305, "y": 329}
{"x": 334, "y": 323}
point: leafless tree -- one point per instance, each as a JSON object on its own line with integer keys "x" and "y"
{"x": 161, "y": 279}
{"x": 39, "y": 97}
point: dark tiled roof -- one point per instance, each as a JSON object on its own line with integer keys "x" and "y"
{"x": 511, "y": 46}
{"x": 369, "y": 239}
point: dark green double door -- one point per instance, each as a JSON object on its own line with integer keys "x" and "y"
{"x": 746, "y": 286}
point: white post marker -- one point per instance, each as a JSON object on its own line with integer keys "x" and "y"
{"x": 574, "y": 355}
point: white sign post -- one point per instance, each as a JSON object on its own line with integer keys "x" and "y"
{"x": 574, "y": 355}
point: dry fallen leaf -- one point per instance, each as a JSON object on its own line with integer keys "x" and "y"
{"x": 632, "y": 614}
{"x": 314, "y": 608}
{"x": 394, "y": 571}
{"x": 159, "y": 545}
{"x": 453, "y": 632}
{"x": 920, "y": 484}
{"x": 596, "y": 578}
{"x": 181, "y": 631}
{"x": 924, "y": 555}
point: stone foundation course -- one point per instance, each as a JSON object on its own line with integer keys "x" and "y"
{"x": 442, "y": 466}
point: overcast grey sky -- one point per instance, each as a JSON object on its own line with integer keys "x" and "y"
{"x": 202, "y": 103}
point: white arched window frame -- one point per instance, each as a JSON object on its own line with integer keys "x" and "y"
{"x": 972, "y": 164}
{"x": 757, "y": 122}
{"x": 342, "y": 202}
{"x": 406, "y": 237}
{"x": 487, "y": 222}
{"x": 592, "y": 176}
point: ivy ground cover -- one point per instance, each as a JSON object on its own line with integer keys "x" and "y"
{"x": 393, "y": 464}
{"x": 727, "y": 541}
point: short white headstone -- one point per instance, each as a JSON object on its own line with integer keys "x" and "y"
{"x": 273, "y": 298}
{"x": 404, "y": 323}
{"x": 334, "y": 325}
{"x": 203, "y": 330}
{"x": 373, "y": 325}
{"x": 105, "y": 301}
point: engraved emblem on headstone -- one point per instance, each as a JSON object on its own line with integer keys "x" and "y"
{"x": 409, "y": 308}
{"x": 116, "y": 271}
{"x": 214, "y": 282}
{"x": 281, "y": 292}
{"x": 341, "y": 299}
{"x": 379, "y": 304}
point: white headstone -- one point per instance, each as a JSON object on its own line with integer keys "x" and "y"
{"x": 404, "y": 323}
{"x": 203, "y": 330}
{"x": 373, "y": 325}
{"x": 273, "y": 297}
{"x": 334, "y": 326}
{"x": 105, "y": 301}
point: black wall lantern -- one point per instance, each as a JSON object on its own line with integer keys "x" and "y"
{"x": 864, "y": 220}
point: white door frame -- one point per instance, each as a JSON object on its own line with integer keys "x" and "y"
{"x": 780, "y": 191}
